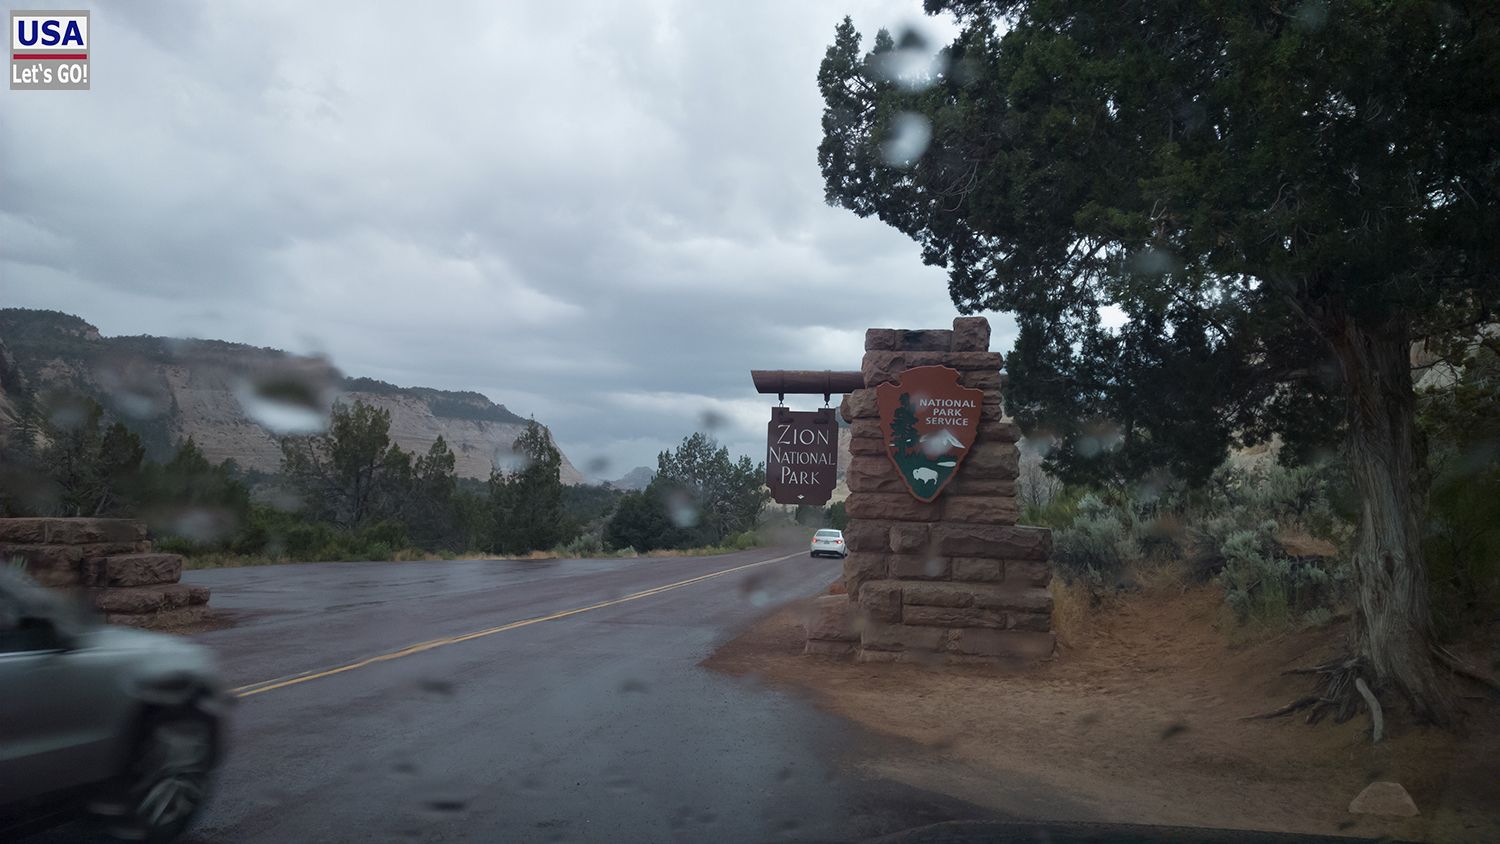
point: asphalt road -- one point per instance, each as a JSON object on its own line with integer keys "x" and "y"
{"x": 550, "y": 700}
{"x": 582, "y": 726}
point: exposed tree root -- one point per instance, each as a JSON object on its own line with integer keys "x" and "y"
{"x": 1342, "y": 691}
{"x": 1458, "y": 667}
{"x": 1377, "y": 719}
{"x": 1299, "y": 703}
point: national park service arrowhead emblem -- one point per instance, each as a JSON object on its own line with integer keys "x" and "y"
{"x": 929, "y": 423}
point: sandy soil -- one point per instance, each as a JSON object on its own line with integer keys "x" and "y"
{"x": 1139, "y": 720}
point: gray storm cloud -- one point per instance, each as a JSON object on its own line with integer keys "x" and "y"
{"x": 603, "y": 218}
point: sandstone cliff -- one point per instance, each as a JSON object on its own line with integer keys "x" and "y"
{"x": 236, "y": 400}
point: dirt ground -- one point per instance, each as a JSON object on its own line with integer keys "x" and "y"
{"x": 1139, "y": 720}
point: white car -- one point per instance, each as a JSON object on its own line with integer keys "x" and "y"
{"x": 830, "y": 542}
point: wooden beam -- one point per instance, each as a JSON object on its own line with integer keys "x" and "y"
{"x": 812, "y": 382}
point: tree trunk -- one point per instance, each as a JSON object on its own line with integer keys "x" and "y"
{"x": 1393, "y": 625}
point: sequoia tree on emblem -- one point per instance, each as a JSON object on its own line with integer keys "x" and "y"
{"x": 930, "y": 423}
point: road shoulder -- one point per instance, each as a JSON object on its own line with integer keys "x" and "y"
{"x": 1139, "y": 720}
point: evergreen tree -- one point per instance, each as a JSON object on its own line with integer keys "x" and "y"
{"x": 94, "y": 471}
{"x": 641, "y": 522}
{"x": 1279, "y": 203}
{"x": 710, "y": 495}
{"x": 527, "y": 501}
{"x": 346, "y": 475}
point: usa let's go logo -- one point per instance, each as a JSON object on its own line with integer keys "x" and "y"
{"x": 49, "y": 51}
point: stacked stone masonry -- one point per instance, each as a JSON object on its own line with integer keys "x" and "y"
{"x": 110, "y": 558}
{"x": 955, "y": 579}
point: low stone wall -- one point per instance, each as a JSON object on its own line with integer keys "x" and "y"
{"x": 955, "y": 579}
{"x": 112, "y": 559}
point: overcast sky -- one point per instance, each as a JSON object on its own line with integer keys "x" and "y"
{"x": 603, "y": 214}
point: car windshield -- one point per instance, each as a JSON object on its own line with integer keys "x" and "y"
{"x": 452, "y": 386}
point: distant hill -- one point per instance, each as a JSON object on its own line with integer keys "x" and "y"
{"x": 229, "y": 396}
{"x": 637, "y": 478}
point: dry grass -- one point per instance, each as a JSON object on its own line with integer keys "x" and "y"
{"x": 1071, "y": 610}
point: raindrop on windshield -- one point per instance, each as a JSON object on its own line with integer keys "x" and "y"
{"x": 290, "y": 399}
{"x": 909, "y": 135}
{"x": 133, "y": 392}
{"x": 67, "y": 412}
{"x": 682, "y": 510}
{"x": 754, "y": 589}
{"x": 511, "y": 462}
{"x": 1311, "y": 15}
{"x": 1153, "y": 262}
{"x": 201, "y": 525}
{"x": 912, "y": 65}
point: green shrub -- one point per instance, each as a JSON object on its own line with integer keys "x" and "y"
{"x": 1462, "y": 541}
{"x": 743, "y": 541}
{"x": 1263, "y": 586}
{"x": 1059, "y": 512}
{"x": 1093, "y": 542}
{"x": 1224, "y": 531}
{"x": 387, "y": 534}
{"x": 584, "y": 545}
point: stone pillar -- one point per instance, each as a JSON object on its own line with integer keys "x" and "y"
{"x": 112, "y": 559}
{"x": 955, "y": 579}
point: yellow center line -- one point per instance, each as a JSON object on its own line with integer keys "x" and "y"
{"x": 308, "y": 676}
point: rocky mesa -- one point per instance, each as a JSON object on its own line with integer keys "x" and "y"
{"x": 234, "y": 399}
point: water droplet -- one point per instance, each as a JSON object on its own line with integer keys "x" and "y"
{"x": 682, "y": 509}
{"x": 632, "y": 685}
{"x": 292, "y": 398}
{"x": 1153, "y": 262}
{"x": 619, "y": 783}
{"x": 913, "y": 65}
{"x": 1311, "y": 15}
{"x": 754, "y": 590}
{"x": 509, "y": 461}
{"x": 908, "y": 138}
{"x": 441, "y": 688}
{"x": 133, "y": 392}
{"x": 1173, "y": 729}
{"x": 202, "y": 525}
{"x": 67, "y": 411}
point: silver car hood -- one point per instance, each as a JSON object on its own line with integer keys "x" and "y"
{"x": 116, "y": 638}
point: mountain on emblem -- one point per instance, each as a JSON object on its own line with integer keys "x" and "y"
{"x": 929, "y": 422}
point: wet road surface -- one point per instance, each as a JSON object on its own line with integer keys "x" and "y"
{"x": 548, "y": 700}
{"x": 597, "y": 725}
